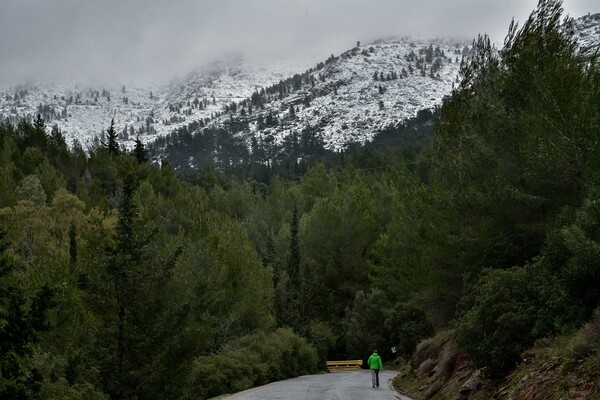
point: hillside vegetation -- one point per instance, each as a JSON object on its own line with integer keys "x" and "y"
{"x": 122, "y": 279}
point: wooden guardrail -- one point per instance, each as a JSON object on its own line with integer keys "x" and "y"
{"x": 346, "y": 365}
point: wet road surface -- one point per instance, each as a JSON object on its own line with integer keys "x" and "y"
{"x": 344, "y": 385}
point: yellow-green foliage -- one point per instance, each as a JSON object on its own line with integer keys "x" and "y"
{"x": 257, "y": 359}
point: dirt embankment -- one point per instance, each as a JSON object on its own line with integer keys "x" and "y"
{"x": 565, "y": 368}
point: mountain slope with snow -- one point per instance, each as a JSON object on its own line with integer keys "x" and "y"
{"x": 587, "y": 32}
{"x": 84, "y": 111}
{"x": 346, "y": 99}
{"x": 349, "y": 98}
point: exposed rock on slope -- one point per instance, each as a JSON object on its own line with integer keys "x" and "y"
{"x": 566, "y": 367}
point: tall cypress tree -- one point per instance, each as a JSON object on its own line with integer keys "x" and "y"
{"x": 287, "y": 281}
{"x": 294, "y": 260}
{"x": 73, "y": 243}
{"x": 124, "y": 260}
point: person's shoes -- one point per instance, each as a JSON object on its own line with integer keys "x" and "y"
{"x": 373, "y": 385}
{"x": 378, "y": 385}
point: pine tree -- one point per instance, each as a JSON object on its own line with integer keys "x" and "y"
{"x": 39, "y": 124}
{"x": 125, "y": 258}
{"x": 111, "y": 136}
{"x": 139, "y": 151}
{"x": 37, "y": 137}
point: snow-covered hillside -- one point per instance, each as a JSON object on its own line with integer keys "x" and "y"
{"x": 587, "y": 31}
{"x": 351, "y": 97}
{"x": 347, "y": 103}
{"x": 366, "y": 89}
{"x": 345, "y": 99}
{"x": 83, "y": 111}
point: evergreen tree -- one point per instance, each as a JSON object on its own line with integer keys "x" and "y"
{"x": 139, "y": 151}
{"x": 20, "y": 326}
{"x": 294, "y": 260}
{"x": 111, "y": 139}
{"x": 37, "y": 136}
{"x": 72, "y": 243}
{"x": 39, "y": 124}
{"x": 31, "y": 190}
{"x": 125, "y": 263}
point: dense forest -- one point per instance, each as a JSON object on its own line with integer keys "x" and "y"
{"x": 125, "y": 279}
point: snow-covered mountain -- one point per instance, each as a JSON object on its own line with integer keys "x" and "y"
{"x": 347, "y": 103}
{"x": 84, "y": 111}
{"x": 349, "y": 98}
{"x": 344, "y": 99}
{"x": 587, "y": 32}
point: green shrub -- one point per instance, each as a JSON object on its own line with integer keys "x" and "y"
{"x": 62, "y": 389}
{"x": 573, "y": 254}
{"x": 260, "y": 358}
{"x": 408, "y": 325}
{"x": 322, "y": 337}
{"x": 365, "y": 329}
{"x": 225, "y": 373}
{"x": 505, "y": 311}
{"x": 286, "y": 354}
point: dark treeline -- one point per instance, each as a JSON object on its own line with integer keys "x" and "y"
{"x": 474, "y": 234}
{"x": 121, "y": 279}
{"x": 190, "y": 149}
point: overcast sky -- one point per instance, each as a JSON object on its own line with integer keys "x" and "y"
{"x": 155, "y": 40}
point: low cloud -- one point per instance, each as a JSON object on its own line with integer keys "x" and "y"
{"x": 155, "y": 40}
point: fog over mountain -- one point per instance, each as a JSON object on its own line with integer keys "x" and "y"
{"x": 156, "y": 40}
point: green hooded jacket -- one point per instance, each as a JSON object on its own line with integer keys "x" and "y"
{"x": 375, "y": 362}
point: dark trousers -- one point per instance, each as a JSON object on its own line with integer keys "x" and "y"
{"x": 375, "y": 377}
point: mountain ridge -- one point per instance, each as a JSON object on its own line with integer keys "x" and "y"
{"x": 341, "y": 98}
{"x": 83, "y": 112}
{"x": 362, "y": 91}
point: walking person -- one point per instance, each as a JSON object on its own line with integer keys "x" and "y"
{"x": 375, "y": 365}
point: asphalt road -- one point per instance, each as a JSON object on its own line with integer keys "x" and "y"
{"x": 347, "y": 385}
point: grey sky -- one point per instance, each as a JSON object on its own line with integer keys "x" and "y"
{"x": 154, "y": 40}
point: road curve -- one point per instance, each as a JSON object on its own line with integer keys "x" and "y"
{"x": 347, "y": 385}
